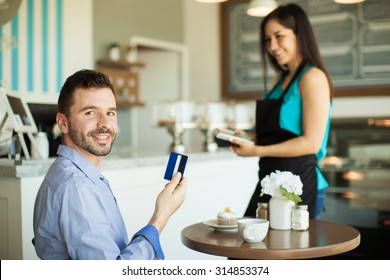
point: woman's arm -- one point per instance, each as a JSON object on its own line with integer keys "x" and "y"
{"x": 315, "y": 92}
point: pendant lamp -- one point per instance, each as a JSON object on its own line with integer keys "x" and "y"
{"x": 211, "y": 1}
{"x": 348, "y": 1}
{"x": 261, "y": 8}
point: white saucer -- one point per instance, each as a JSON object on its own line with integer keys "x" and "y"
{"x": 214, "y": 224}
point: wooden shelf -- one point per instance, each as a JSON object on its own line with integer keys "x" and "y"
{"x": 120, "y": 64}
{"x": 125, "y": 79}
{"x": 121, "y": 104}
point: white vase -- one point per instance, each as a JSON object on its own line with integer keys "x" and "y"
{"x": 280, "y": 209}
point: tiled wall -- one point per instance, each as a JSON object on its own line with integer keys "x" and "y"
{"x": 33, "y": 61}
{"x": 39, "y": 44}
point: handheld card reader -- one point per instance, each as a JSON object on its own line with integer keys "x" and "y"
{"x": 227, "y": 135}
{"x": 176, "y": 163}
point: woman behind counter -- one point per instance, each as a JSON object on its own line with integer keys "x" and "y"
{"x": 292, "y": 120}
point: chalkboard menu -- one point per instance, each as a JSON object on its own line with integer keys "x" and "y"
{"x": 354, "y": 41}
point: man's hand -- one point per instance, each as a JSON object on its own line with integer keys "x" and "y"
{"x": 168, "y": 201}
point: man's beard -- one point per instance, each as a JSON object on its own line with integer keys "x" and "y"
{"x": 84, "y": 141}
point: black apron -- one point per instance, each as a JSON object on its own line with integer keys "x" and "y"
{"x": 269, "y": 132}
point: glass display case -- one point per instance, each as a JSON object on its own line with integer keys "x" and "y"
{"x": 176, "y": 116}
{"x": 358, "y": 172}
{"x": 207, "y": 116}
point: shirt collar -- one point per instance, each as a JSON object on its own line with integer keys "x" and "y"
{"x": 81, "y": 162}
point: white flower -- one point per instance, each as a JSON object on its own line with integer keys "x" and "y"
{"x": 282, "y": 183}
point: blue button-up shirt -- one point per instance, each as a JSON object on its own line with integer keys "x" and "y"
{"x": 76, "y": 216}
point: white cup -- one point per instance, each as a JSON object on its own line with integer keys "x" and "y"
{"x": 253, "y": 230}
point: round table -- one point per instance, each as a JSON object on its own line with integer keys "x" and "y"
{"x": 323, "y": 238}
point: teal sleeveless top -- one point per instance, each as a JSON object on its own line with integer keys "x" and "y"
{"x": 291, "y": 118}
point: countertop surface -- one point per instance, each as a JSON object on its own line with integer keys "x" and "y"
{"x": 116, "y": 160}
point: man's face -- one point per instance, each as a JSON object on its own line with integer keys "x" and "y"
{"x": 92, "y": 122}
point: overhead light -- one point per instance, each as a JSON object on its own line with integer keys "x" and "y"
{"x": 333, "y": 161}
{"x": 379, "y": 123}
{"x": 353, "y": 176}
{"x": 261, "y": 8}
{"x": 211, "y": 1}
{"x": 349, "y": 1}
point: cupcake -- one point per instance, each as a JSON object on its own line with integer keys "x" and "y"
{"x": 227, "y": 218}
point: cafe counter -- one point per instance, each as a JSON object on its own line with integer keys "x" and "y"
{"x": 216, "y": 180}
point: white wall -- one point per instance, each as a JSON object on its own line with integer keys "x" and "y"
{"x": 78, "y": 30}
{"x": 202, "y": 37}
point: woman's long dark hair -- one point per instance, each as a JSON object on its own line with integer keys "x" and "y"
{"x": 293, "y": 17}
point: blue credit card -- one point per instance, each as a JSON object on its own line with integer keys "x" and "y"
{"x": 176, "y": 163}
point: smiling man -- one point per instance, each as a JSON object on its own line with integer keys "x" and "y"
{"x": 76, "y": 215}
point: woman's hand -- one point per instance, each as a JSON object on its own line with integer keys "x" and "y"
{"x": 242, "y": 148}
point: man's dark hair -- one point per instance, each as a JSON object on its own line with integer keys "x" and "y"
{"x": 81, "y": 79}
